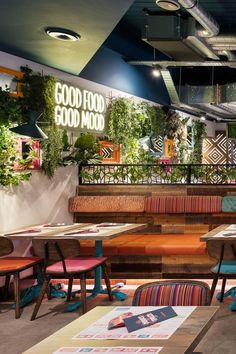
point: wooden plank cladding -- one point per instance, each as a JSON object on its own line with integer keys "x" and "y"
{"x": 148, "y": 190}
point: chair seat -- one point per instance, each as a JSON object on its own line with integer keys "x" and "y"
{"x": 227, "y": 267}
{"x": 76, "y": 265}
{"x": 11, "y": 264}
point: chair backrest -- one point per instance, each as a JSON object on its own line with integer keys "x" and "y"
{"x": 222, "y": 250}
{"x": 6, "y": 246}
{"x": 172, "y": 293}
{"x": 47, "y": 248}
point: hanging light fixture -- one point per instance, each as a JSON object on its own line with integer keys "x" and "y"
{"x": 30, "y": 129}
{"x": 170, "y": 5}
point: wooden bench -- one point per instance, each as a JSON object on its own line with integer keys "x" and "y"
{"x": 164, "y": 250}
{"x": 155, "y": 256}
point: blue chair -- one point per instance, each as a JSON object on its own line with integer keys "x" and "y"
{"x": 224, "y": 251}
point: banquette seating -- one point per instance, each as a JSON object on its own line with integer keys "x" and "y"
{"x": 164, "y": 249}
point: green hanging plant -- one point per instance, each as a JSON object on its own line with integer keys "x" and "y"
{"x": 127, "y": 122}
{"x": 199, "y": 133}
{"x": 52, "y": 149}
{"x": 9, "y": 159}
{"x": 10, "y": 108}
{"x": 38, "y": 94}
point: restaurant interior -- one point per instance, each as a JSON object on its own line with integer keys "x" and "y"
{"x": 118, "y": 176}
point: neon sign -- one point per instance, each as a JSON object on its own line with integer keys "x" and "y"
{"x": 76, "y": 108}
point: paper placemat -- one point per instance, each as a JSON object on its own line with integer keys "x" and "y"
{"x": 162, "y": 330}
{"x": 113, "y": 350}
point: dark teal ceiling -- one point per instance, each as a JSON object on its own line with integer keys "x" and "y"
{"x": 22, "y": 25}
{"x": 224, "y": 12}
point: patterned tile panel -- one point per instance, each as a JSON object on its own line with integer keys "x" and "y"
{"x": 215, "y": 149}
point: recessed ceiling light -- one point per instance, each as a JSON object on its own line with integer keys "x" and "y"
{"x": 62, "y": 34}
{"x": 170, "y": 5}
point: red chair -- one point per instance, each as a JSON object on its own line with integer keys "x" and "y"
{"x": 14, "y": 266}
{"x": 62, "y": 261}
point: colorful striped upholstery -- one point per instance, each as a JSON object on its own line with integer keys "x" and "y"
{"x": 173, "y": 293}
{"x": 183, "y": 204}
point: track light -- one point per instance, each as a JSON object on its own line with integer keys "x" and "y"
{"x": 156, "y": 70}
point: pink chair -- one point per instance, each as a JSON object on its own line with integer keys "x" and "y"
{"x": 62, "y": 261}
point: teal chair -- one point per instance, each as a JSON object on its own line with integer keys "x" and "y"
{"x": 224, "y": 251}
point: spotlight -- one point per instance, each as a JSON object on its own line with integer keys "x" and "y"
{"x": 156, "y": 72}
{"x": 203, "y": 118}
{"x": 62, "y": 34}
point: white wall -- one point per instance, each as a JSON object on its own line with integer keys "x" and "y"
{"x": 42, "y": 200}
{"x": 38, "y": 201}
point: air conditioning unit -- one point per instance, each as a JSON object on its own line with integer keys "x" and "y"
{"x": 176, "y": 37}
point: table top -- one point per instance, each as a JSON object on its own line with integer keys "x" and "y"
{"x": 183, "y": 341}
{"x": 102, "y": 231}
{"x": 220, "y": 233}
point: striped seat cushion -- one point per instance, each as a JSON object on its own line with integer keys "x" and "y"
{"x": 183, "y": 204}
{"x": 176, "y": 294}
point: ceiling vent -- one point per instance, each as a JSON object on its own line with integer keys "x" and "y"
{"x": 169, "y": 5}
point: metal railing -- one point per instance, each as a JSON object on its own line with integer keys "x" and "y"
{"x": 156, "y": 174}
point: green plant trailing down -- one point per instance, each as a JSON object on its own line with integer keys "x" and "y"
{"x": 10, "y": 108}
{"x": 52, "y": 149}
{"x": 38, "y": 95}
{"x": 199, "y": 133}
{"x": 127, "y": 121}
{"x": 8, "y": 158}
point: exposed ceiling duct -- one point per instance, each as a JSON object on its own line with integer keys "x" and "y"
{"x": 230, "y": 39}
{"x": 180, "y": 63}
{"x": 211, "y": 27}
{"x": 170, "y": 86}
{"x": 176, "y": 37}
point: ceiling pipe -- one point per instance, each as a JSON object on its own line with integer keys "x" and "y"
{"x": 222, "y": 40}
{"x": 211, "y": 27}
{"x": 231, "y": 56}
{"x": 224, "y": 47}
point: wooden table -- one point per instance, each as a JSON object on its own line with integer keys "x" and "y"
{"x": 73, "y": 231}
{"x": 218, "y": 234}
{"x": 211, "y": 235}
{"x": 183, "y": 341}
{"x": 19, "y": 234}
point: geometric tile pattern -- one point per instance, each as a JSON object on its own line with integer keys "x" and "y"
{"x": 189, "y": 136}
{"x": 107, "y": 152}
{"x": 215, "y": 149}
{"x": 158, "y": 144}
